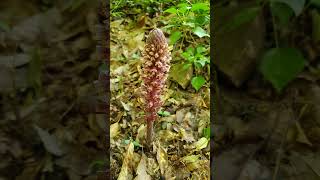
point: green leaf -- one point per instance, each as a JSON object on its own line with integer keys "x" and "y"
{"x": 202, "y": 20}
{"x": 282, "y": 12}
{"x": 190, "y": 50}
{"x": 197, "y": 82}
{"x": 200, "y": 6}
{"x": 295, "y": 5}
{"x": 183, "y": 7}
{"x": 136, "y": 144}
{"x": 200, "y": 49}
{"x": 315, "y": 3}
{"x": 206, "y": 133}
{"x": 281, "y": 65}
{"x": 245, "y": 16}
{"x": 174, "y": 37}
{"x": 164, "y": 113}
{"x": 171, "y": 10}
{"x": 202, "y": 60}
{"x": 200, "y": 32}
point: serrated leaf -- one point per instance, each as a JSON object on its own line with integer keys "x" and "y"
{"x": 281, "y": 65}
{"x": 197, "y": 82}
{"x": 174, "y": 37}
{"x": 200, "y": 32}
{"x": 50, "y": 142}
{"x": 295, "y": 5}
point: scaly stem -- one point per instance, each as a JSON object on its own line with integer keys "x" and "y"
{"x": 149, "y": 133}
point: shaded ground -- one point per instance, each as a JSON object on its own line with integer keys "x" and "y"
{"x": 49, "y": 128}
{"x": 258, "y": 132}
{"x": 180, "y": 149}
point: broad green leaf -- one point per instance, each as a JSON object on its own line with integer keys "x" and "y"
{"x": 190, "y": 50}
{"x": 197, "y": 82}
{"x": 200, "y": 6}
{"x": 200, "y": 49}
{"x": 282, "y": 12}
{"x": 171, "y": 10}
{"x": 183, "y": 7}
{"x": 201, "y": 60}
{"x": 174, "y": 37}
{"x": 281, "y": 65}
{"x": 295, "y": 5}
{"x": 200, "y": 32}
{"x": 202, "y": 20}
{"x": 245, "y": 16}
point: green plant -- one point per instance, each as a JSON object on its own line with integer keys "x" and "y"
{"x": 188, "y": 26}
{"x": 281, "y": 64}
{"x": 196, "y": 56}
{"x": 187, "y": 19}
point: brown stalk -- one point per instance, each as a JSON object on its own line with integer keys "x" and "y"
{"x": 155, "y": 70}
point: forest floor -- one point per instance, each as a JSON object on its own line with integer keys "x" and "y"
{"x": 180, "y": 149}
{"x": 49, "y": 128}
{"x": 258, "y": 132}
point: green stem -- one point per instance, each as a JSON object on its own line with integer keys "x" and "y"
{"x": 274, "y": 28}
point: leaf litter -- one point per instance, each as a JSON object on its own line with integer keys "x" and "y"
{"x": 178, "y": 134}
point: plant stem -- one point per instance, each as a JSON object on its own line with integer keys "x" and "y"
{"x": 274, "y": 28}
{"x": 149, "y": 132}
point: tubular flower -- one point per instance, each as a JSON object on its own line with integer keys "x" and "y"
{"x": 155, "y": 70}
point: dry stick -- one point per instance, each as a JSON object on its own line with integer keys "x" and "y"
{"x": 155, "y": 70}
